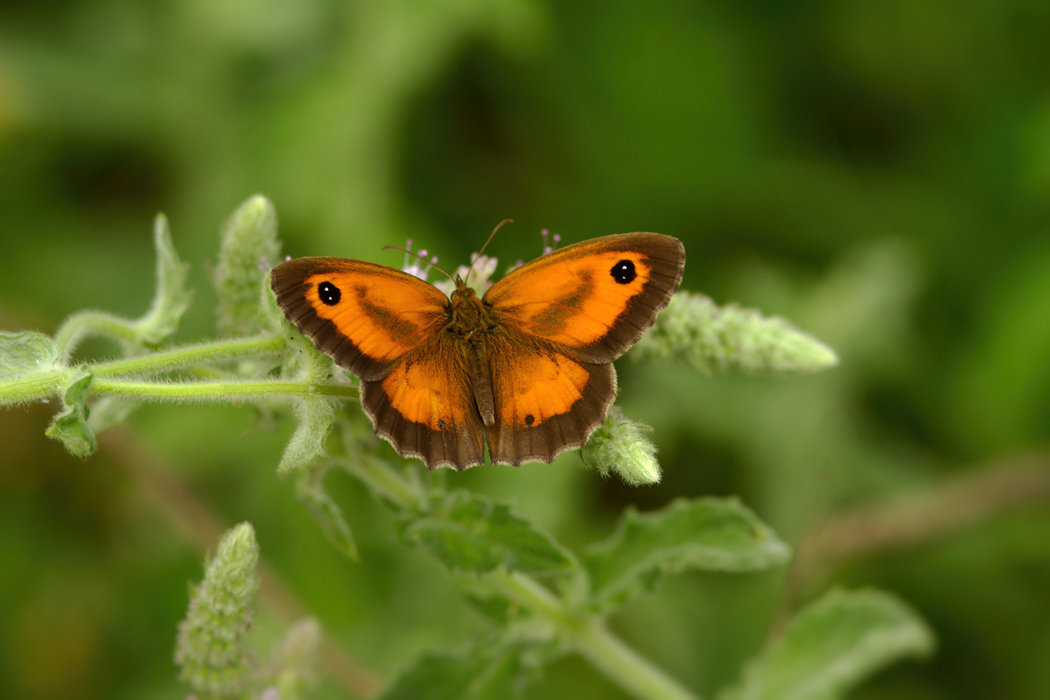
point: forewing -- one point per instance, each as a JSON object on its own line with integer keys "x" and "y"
{"x": 424, "y": 406}
{"x": 546, "y": 400}
{"x": 364, "y": 315}
{"x": 596, "y": 297}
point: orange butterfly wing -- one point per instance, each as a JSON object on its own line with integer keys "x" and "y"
{"x": 387, "y": 327}
{"x": 546, "y": 399}
{"x": 596, "y": 297}
{"x": 565, "y": 317}
{"x": 365, "y": 316}
{"x": 424, "y": 407}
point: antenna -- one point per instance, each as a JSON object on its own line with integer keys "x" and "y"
{"x": 487, "y": 241}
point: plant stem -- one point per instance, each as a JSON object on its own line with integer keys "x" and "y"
{"x": 34, "y": 386}
{"x": 528, "y": 593}
{"x": 378, "y": 475}
{"x": 593, "y": 641}
{"x": 181, "y": 357}
{"x": 82, "y": 323}
{"x": 625, "y": 666}
{"x": 220, "y": 390}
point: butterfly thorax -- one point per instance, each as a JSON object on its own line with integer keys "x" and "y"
{"x": 468, "y": 314}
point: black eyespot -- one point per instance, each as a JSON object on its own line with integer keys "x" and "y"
{"x": 623, "y": 272}
{"x": 529, "y": 419}
{"x": 329, "y": 293}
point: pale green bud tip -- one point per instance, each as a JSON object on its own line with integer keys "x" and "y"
{"x": 255, "y": 221}
{"x": 715, "y": 339}
{"x": 620, "y": 446}
{"x": 249, "y": 246}
{"x": 211, "y": 648}
{"x": 234, "y": 563}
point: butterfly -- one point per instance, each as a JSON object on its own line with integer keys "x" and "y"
{"x": 525, "y": 369}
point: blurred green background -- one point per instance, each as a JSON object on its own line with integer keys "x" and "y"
{"x": 877, "y": 171}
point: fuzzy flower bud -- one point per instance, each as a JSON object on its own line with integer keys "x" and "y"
{"x": 716, "y": 340}
{"x": 248, "y": 236}
{"x": 211, "y": 648}
{"x": 620, "y": 446}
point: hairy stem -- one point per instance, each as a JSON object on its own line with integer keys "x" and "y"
{"x": 34, "y": 386}
{"x": 175, "y": 358}
{"x": 218, "y": 391}
{"x": 84, "y": 323}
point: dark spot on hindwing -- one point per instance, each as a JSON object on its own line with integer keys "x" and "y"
{"x": 623, "y": 272}
{"x": 328, "y": 293}
{"x": 529, "y": 419}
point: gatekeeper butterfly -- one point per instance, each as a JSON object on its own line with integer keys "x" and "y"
{"x": 526, "y": 368}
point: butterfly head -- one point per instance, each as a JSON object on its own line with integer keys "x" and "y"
{"x": 477, "y": 277}
{"x": 462, "y": 290}
{"x": 468, "y": 312}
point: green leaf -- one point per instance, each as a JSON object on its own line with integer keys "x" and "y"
{"x": 711, "y": 534}
{"x": 70, "y": 426}
{"x": 494, "y": 669}
{"x": 832, "y": 645}
{"x": 26, "y": 352}
{"x": 249, "y": 240}
{"x": 308, "y": 445}
{"x": 171, "y": 298}
{"x": 309, "y": 490}
{"x": 473, "y": 534}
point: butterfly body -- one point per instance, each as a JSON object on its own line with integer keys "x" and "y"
{"x": 525, "y": 369}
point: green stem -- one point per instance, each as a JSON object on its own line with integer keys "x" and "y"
{"x": 592, "y": 640}
{"x": 634, "y": 673}
{"x": 383, "y": 480}
{"x": 192, "y": 354}
{"x": 34, "y": 386}
{"x": 381, "y": 477}
{"x": 216, "y": 390}
{"x": 528, "y": 593}
{"x": 80, "y": 324}
{"x": 376, "y": 473}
